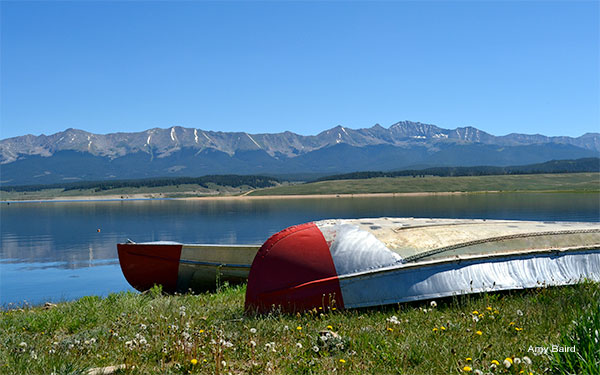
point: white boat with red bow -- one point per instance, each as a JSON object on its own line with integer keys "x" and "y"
{"x": 350, "y": 263}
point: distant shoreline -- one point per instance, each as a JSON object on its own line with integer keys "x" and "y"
{"x": 245, "y": 197}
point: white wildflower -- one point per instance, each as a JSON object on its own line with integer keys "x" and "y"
{"x": 143, "y": 326}
{"x": 433, "y": 304}
{"x": 527, "y": 360}
{"x": 507, "y": 363}
{"x": 475, "y": 318}
{"x": 253, "y": 343}
{"x": 478, "y": 372}
{"x": 315, "y": 348}
{"x": 393, "y": 319}
{"x": 223, "y": 364}
{"x": 253, "y": 330}
{"x": 23, "y": 344}
{"x": 33, "y": 354}
{"x": 299, "y": 345}
{"x": 517, "y": 360}
{"x": 519, "y": 313}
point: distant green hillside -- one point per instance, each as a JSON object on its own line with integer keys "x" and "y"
{"x": 584, "y": 182}
{"x": 204, "y": 181}
{"x": 553, "y": 166}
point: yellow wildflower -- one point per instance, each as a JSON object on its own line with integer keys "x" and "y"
{"x": 481, "y": 316}
{"x": 496, "y": 312}
{"x": 518, "y": 329}
{"x": 479, "y": 333}
{"x": 494, "y": 362}
{"x": 467, "y": 369}
{"x": 329, "y": 327}
{"x": 299, "y": 328}
{"x": 489, "y": 308}
{"x": 342, "y": 361}
{"x": 443, "y": 328}
{"x": 469, "y": 359}
{"x": 475, "y": 312}
{"x": 435, "y": 329}
{"x": 511, "y": 323}
{"x": 390, "y": 329}
{"x": 509, "y": 360}
{"x": 201, "y": 331}
{"x": 522, "y": 372}
{"x": 194, "y": 361}
{"x": 333, "y": 309}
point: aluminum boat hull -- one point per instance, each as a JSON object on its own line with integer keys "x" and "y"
{"x": 370, "y": 262}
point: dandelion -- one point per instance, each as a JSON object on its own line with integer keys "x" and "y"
{"x": 390, "y": 329}
{"x": 475, "y": 312}
{"x": 329, "y": 327}
{"x": 511, "y": 323}
{"x": 194, "y": 361}
{"x": 489, "y": 308}
{"x": 342, "y": 360}
{"x": 518, "y": 329}
{"x": 479, "y": 333}
{"x": 468, "y": 359}
{"x": 443, "y": 328}
{"x": 299, "y": 328}
{"x": 253, "y": 330}
{"x": 333, "y": 309}
{"x": 496, "y": 312}
{"x": 507, "y": 362}
{"x": 433, "y": 304}
{"x": 527, "y": 360}
{"x": 467, "y": 369}
{"x": 435, "y": 329}
{"x": 494, "y": 362}
{"x": 201, "y": 331}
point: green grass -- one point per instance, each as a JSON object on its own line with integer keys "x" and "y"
{"x": 585, "y": 182}
{"x": 175, "y": 191}
{"x": 210, "y": 333}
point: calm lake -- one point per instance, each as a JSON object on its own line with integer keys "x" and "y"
{"x": 56, "y": 251}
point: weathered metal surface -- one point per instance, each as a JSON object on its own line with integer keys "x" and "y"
{"x": 391, "y": 260}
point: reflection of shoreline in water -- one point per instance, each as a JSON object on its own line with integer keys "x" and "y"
{"x": 58, "y": 265}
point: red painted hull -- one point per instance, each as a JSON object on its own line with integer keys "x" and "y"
{"x": 147, "y": 265}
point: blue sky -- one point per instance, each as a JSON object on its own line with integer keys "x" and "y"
{"x": 527, "y": 67}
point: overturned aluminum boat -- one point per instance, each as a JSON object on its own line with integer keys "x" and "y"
{"x": 181, "y": 268}
{"x": 369, "y": 262}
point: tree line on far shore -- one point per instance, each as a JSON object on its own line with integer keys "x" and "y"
{"x": 204, "y": 181}
{"x": 554, "y": 166}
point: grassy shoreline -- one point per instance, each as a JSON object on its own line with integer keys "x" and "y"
{"x": 384, "y": 186}
{"x": 210, "y": 333}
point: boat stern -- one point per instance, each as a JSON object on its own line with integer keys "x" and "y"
{"x": 146, "y": 265}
